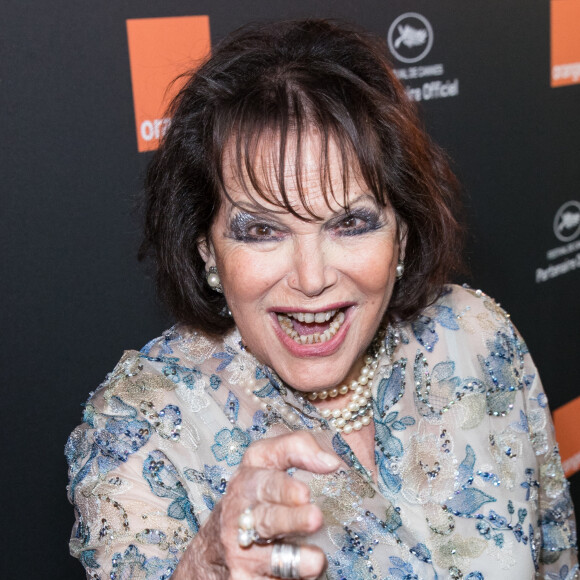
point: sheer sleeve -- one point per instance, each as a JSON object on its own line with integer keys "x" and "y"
{"x": 554, "y": 539}
{"x": 551, "y": 527}
{"x": 134, "y": 513}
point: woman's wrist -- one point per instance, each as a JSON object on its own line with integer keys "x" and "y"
{"x": 203, "y": 558}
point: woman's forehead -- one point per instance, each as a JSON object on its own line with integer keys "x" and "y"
{"x": 299, "y": 176}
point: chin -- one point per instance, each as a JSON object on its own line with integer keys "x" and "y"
{"x": 308, "y": 374}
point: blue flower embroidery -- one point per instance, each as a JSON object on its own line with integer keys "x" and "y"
{"x": 164, "y": 343}
{"x": 390, "y": 446}
{"x": 352, "y": 561}
{"x": 133, "y": 564}
{"x": 230, "y": 446}
{"x": 164, "y": 481}
{"x": 215, "y": 382}
{"x": 424, "y": 331}
{"x": 424, "y": 326}
{"x": 422, "y": 552}
{"x": 120, "y": 438}
{"x": 87, "y": 559}
{"x": 401, "y": 570}
{"x": 348, "y": 564}
{"x": 499, "y": 540}
{"x": 227, "y": 357}
{"x": 467, "y": 501}
{"x": 190, "y": 379}
{"x": 501, "y": 372}
{"x": 260, "y": 422}
{"x": 213, "y": 481}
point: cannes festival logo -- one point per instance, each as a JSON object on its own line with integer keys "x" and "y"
{"x": 410, "y": 37}
{"x": 567, "y": 221}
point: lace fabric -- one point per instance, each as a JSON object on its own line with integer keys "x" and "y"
{"x": 469, "y": 482}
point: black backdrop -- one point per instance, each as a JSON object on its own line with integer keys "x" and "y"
{"x": 73, "y": 294}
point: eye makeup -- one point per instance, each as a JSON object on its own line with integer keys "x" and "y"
{"x": 248, "y": 227}
{"x": 366, "y": 220}
{"x": 245, "y": 227}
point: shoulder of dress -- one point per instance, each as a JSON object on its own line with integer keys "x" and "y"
{"x": 466, "y": 339}
{"x": 134, "y": 377}
{"x": 463, "y": 299}
{"x": 189, "y": 348}
{"x": 461, "y": 318}
{"x": 178, "y": 356}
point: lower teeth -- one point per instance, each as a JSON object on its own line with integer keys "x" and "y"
{"x": 288, "y": 328}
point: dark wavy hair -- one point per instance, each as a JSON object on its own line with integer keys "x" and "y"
{"x": 285, "y": 79}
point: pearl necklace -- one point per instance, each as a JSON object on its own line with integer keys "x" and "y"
{"x": 358, "y": 412}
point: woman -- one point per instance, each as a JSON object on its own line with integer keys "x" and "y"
{"x": 366, "y": 420}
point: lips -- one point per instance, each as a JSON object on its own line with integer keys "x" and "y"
{"x": 313, "y": 339}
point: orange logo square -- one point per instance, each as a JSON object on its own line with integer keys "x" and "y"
{"x": 565, "y": 41}
{"x": 568, "y": 435}
{"x": 160, "y": 49}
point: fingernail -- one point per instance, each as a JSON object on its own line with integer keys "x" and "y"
{"x": 329, "y": 460}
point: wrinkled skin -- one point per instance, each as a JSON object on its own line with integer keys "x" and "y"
{"x": 281, "y": 508}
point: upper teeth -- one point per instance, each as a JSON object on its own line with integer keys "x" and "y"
{"x": 311, "y": 316}
{"x": 319, "y": 317}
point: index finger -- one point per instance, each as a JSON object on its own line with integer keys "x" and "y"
{"x": 294, "y": 450}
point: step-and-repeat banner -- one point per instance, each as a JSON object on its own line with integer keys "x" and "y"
{"x": 85, "y": 92}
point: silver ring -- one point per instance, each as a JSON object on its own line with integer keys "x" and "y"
{"x": 285, "y": 561}
{"x": 247, "y": 534}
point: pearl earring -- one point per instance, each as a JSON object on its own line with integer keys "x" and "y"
{"x": 399, "y": 270}
{"x": 213, "y": 280}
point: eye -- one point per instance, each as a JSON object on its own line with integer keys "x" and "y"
{"x": 247, "y": 228}
{"x": 358, "y": 222}
{"x": 261, "y": 231}
{"x": 350, "y": 222}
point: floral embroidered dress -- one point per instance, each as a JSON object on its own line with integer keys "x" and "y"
{"x": 467, "y": 483}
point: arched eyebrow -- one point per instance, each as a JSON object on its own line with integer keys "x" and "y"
{"x": 256, "y": 208}
{"x": 259, "y": 210}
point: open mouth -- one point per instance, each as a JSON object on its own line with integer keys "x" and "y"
{"x": 311, "y": 327}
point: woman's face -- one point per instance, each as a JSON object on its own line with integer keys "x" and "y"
{"x": 307, "y": 297}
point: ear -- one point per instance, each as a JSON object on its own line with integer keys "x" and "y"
{"x": 206, "y": 251}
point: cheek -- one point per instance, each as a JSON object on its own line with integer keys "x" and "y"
{"x": 375, "y": 271}
{"x": 246, "y": 276}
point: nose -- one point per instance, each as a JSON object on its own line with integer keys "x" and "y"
{"x": 312, "y": 271}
